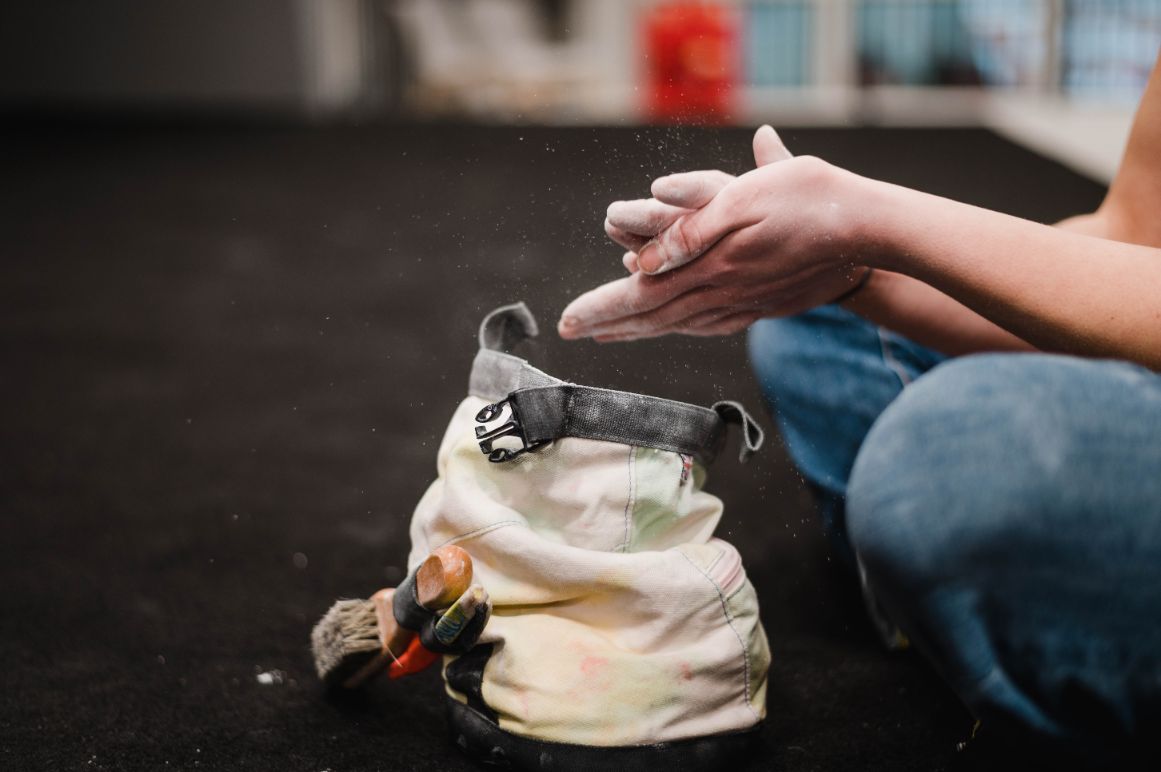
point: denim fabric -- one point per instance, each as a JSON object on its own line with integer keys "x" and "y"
{"x": 827, "y": 375}
{"x": 1007, "y": 509}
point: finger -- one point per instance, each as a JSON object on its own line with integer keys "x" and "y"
{"x": 727, "y": 325}
{"x": 631, "y": 336}
{"x": 768, "y": 147}
{"x": 644, "y": 217}
{"x": 702, "y": 302}
{"x": 629, "y": 260}
{"x": 702, "y": 323}
{"x": 708, "y": 324}
{"x": 624, "y": 238}
{"x": 691, "y": 235}
{"x": 616, "y": 299}
{"x": 696, "y": 295}
{"x": 714, "y": 315}
{"x": 690, "y": 190}
{"x": 615, "y": 338}
{"x": 709, "y": 316}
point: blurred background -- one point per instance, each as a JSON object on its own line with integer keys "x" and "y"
{"x": 1023, "y": 67}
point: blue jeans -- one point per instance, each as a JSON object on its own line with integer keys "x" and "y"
{"x": 1006, "y": 509}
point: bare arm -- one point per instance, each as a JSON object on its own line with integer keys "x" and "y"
{"x": 798, "y": 232}
{"x": 927, "y": 316}
{"x": 1128, "y": 214}
{"x": 1132, "y": 210}
{"x": 1057, "y": 290}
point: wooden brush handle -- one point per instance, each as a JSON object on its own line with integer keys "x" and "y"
{"x": 393, "y": 637}
{"x": 443, "y": 577}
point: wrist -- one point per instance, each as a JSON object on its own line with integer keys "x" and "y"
{"x": 876, "y": 238}
{"x": 860, "y": 281}
{"x": 872, "y": 294}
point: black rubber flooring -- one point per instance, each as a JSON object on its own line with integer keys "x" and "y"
{"x": 226, "y": 358}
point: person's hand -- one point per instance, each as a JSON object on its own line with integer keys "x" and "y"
{"x": 633, "y": 224}
{"x": 773, "y": 242}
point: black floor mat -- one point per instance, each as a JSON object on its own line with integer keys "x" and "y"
{"x": 228, "y": 357}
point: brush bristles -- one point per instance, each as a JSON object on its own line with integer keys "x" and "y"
{"x": 344, "y": 637}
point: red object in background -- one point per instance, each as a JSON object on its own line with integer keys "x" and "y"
{"x": 692, "y": 61}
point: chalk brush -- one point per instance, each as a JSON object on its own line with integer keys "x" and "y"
{"x": 443, "y": 576}
{"x": 357, "y": 639}
{"x": 464, "y": 610}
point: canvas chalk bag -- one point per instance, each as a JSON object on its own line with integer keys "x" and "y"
{"x": 623, "y": 633}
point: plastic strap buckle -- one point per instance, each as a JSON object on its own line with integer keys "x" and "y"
{"x": 510, "y": 427}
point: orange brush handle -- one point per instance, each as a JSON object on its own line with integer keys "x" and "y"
{"x": 416, "y": 658}
{"x": 443, "y": 577}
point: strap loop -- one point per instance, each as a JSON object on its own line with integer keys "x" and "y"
{"x": 752, "y": 435}
{"x": 507, "y": 326}
{"x": 541, "y": 414}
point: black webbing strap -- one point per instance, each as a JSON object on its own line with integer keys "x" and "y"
{"x": 546, "y": 413}
{"x": 537, "y": 408}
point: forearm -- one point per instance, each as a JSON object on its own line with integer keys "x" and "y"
{"x": 938, "y": 321}
{"x": 929, "y": 317}
{"x": 1058, "y": 290}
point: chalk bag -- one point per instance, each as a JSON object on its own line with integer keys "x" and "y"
{"x": 623, "y": 633}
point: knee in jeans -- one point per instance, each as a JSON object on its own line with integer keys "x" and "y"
{"x": 808, "y": 353}
{"x": 952, "y": 474}
{"x": 776, "y": 348}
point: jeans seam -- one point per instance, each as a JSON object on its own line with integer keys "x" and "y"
{"x": 890, "y": 360}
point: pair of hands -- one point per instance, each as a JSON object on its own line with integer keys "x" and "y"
{"x": 711, "y": 253}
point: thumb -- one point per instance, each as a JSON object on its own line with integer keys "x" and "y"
{"x": 690, "y": 190}
{"x": 768, "y": 147}
{"x": 691, "y": 235}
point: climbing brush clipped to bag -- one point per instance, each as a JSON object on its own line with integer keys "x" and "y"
{"x": 357, "y": 639}
{"x": 624, "y": 634}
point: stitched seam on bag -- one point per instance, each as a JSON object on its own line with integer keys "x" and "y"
{"x": 730, "y": 622}
{"x": 481, "y": 531}
{"x": 630, "y": 502}
{"x": 734, "y": 594}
